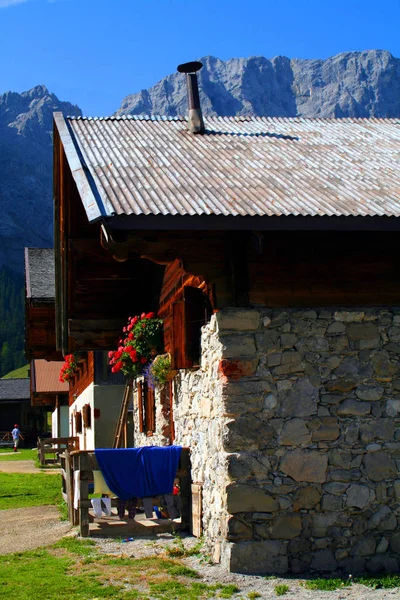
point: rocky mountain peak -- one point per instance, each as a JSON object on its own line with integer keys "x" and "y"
{"x": 350, "y": 84}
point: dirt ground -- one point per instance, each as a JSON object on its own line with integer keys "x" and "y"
{"x": 28, "y": 528}
{"x": 23, "y": 466}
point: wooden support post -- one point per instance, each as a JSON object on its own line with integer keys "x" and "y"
{"x": 185, "y": 485}
{"x": 69, "y": 486}
{"x": 75, "y": 511}
{"x": 83, "y": 494}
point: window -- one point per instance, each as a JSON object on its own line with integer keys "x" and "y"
{"x": 188, "y": 316}
{"x": 78, "y": 422}
{"x": 87, "y": 416}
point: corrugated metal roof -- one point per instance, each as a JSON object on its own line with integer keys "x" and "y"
{"x": 45, "y": 377}
{"x": 241, "y": 166}
{"x": 39, "y": 273}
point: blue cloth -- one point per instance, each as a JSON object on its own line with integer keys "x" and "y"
{"x": 139, "y": 472}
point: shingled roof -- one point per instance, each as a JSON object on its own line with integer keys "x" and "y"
{"x": 14, "y": 389}
{"x": 240, "y": 166}
{"x": 39, "y": 273}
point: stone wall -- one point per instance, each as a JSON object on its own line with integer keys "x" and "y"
{"x": 199, "y": 424}
{"x": 313, "y": 439}
{"x": 293, "y": 424}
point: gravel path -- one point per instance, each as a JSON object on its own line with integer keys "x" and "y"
{"x": 246, "y": 583}
{"x": 28, "y": 528}
{"x": 23, "y": 466}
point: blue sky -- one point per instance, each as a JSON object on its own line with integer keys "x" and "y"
{"x": 93, "y": 53}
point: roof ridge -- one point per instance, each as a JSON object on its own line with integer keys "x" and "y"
{"x": 234, "y": 118}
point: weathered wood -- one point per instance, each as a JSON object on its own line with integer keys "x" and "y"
{"x": 197, "y": 504}
{"x": 84, "y": 469}
{"x": 69, "y": 491}
{"x": 120, "y": 430}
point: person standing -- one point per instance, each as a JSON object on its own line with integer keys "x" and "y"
{"x": 16, "y": 434}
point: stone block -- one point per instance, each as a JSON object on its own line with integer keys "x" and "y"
{"x": 287, "y": 340}
{"x": 393, "y": 408}
{"x": 396, "y": 486}
{"x": 236, "y": 346}
{"x": 335, "y": 487}
{"x": 247, "y": 432}
{"x": 382, "y": 429}
{"x": 395, "y": 543}
{"x": 336, "y": 328}
{"x": 345, "y": 475}
{"x": 382, "y": 563}
{"x": 370, "y": 393}
{"x": 352, "y": 433}
{"x": 247, "y": 498}
{"x": 379, "y": 466}
{"x": 330, "y": 502}
{"x": 384, "y": 369}
{"x": 343, "y": 384}
{"x": 327, "y": 431}
{"x": 266, "y": 557}
{"x": 349, "y": 316}
{"x": 294, "y": 433}
{"x": 383, "y": 520}
{"x": 364, "y": 335}
{"x": 303, "y": 465}
{"x": 323, "y": 561}
{"x": 245, "y": 465}
{"x": 351, "y": 407}
{"x": 290, "y": 362}
{"x": 365, "y": 547}
{"x": 246, "y": 403}
{"x": 359, "y": 496}
{"x": 340, "y": 458}
{"x": 237, "y": 368}
{"x": 268, "y": 340}
{"x": 382, "y": 546}
{"x": 286, "y": 527}
{"x": 307, "y": 497}
{"x": 300, "y": 400}
{"x": 237, "y": 530}
{"x": 238, "y": 319}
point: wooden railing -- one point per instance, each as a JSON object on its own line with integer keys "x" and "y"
{"x": 55, "y": 446}
{"x": 85, "y": 462}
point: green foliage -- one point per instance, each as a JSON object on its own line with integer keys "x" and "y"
{"x": 160, "y": 369}
{"x": 378, "y": 582}
{"x": 253, "y": 595}
{"x": 11, "y": 321}
{"x": 18, "y": 490}
{"x": 281, "y": 589}
{"x": 326, "y": 585}
{"x": 178, "y": 549}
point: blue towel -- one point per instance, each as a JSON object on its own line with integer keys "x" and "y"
{"x": 139, "y": 472}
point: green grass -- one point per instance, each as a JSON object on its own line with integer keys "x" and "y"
{"x": 22, "y": 454}
{"x": 378, "y": 582}
{"x": 325, "y": 585}
{"x": 253, "y": 595}
{"x": 281, "y": 589}
{"x": 73, "y": 568}
{"x": 21, "y": 373}
{"x": 18, "y": 490}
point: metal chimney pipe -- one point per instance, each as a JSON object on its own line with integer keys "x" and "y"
{"x": 195, "y": 121}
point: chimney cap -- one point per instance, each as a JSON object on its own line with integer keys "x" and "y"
{"x": 190, "y": 67}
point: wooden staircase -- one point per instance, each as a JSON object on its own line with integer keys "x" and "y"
{"x": 120, "y": 439}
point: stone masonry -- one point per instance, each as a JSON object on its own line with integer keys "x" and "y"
{"x": 293, "y": 424}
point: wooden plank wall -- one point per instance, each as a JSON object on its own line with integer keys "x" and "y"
{"x": 325, "y": 269}
{"x": 83, "y": 378}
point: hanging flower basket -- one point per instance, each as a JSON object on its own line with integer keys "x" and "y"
{"x": 70, "y": 367}
{"x": 159, "y": 371}
{"x": 143, "y": 341}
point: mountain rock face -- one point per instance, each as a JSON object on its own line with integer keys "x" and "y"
{"x": 352, "y": 84}
{"x": 26, "y": 129}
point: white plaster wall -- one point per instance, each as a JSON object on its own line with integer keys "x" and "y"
{"x": 106, "y": 401}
